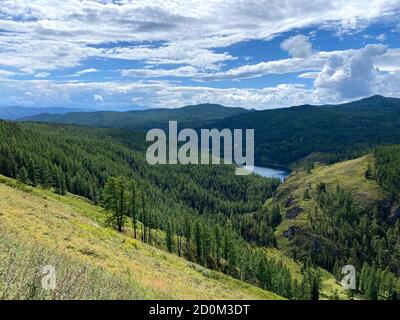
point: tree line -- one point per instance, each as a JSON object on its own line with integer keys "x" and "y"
{"x": 201, "y": 240}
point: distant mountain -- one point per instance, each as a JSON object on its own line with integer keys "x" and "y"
{"x": 143, "y": 119}
{"x": 334, "y": 132}
{"x": 282, "y": 136}
{"x": 14, "y": 112}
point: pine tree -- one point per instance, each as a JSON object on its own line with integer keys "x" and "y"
{"x": 198, "y": 242}
{"x": 227, "y": 250}
{"x": 115, "y": 200}
{"x": 133, "y": 208}
{"x": 218, "y": 245}
{"x": 22, "y": 175}
{"x": 144, "y": 218}
{"x": 276, "y": 217}
{"x": 169, "y": 237}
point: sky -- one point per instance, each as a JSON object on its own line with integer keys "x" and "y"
{"x": 123, "y": 54}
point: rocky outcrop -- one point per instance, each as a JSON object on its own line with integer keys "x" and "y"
{"x": 288, "y": 202}
{"x": 292, "y": 232}
{"x": 293, "y": 212}
{"x": 394, "y": 213}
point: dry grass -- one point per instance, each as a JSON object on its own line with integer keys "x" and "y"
{"x": 21, "y": 277}
{"x": 72, "y": 228}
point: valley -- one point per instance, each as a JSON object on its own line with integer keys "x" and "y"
{"x": 199, "y": 229}
{"x": 200, "y": 159}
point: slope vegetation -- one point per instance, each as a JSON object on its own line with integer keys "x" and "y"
{"x": 338, "y": 214}
{"x": 41, "y": 228}
{"x": 347, "y": 174}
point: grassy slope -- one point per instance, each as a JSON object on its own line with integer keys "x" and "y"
{"x": 348, "y": 174}
{"x": 73, "y": 228}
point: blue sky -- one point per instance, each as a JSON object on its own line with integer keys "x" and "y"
{"x": 118, "y": 55}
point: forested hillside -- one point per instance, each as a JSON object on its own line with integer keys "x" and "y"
{"x": 387, "y": 171}
{"x": 282, "y": 136}
{"x": 188, "y": 116}
{"x": 336, "y": 133}
{"x": 337, "y": 215}
{"x": 200, "y": 208}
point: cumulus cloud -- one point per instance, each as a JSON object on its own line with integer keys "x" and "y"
{"x": 351, "y": 77}
{"x": 314, "y": 62}
{"x": 46, "y": 35}
{"x": 390, "y": 61}
{"x": 184, "y": 39}
{"x": 298, "y": 46}
{"x": 184, "y": 52}
{"x": 156, "y": 94}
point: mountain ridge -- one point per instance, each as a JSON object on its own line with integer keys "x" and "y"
{"x": 140, "y": 120}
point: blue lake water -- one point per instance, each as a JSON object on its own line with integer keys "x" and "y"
{"x": 271, "y": 172}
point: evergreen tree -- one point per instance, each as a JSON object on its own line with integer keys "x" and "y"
{"x": 115, "y": 201}
{"x": 198, "y": 240}
{"x": 133, "y": 208}
{"x": 23, "y": 175}
{"x": 276, "y": 216}
{"x": 169, "y": 238}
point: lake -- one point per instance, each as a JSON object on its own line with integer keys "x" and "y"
{"x": 271, "y": 172}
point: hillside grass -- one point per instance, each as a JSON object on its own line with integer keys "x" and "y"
{"x": 39, "y": 228}
{"x": 348, "y": 174}
{"x": 290, "y": 195}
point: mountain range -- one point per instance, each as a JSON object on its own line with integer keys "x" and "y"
{"x": 140, "y": 120}
{"x": 16, "y": 112}
{"x": 282, "y": 136}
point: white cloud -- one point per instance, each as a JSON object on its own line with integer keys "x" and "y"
{"x": 81, "y": 72}
{"x": 5, "y": 74}
{"x": 159, "y": 94}
{"x": 31, "y": 55}
{"x": 187, "y": 71}
{"x": 98, "y": 98}
{"x": 309, "y": 75}
{"x": 298, "y": 46}
{"x": 185, "y": 52}
{"x": 42, "y": 35}
{"x": 351, "y": 77}
{"x": 152, "y": 94}
{"x": 390, "y": 61}
{"x": 42, "y": 75}
{"x": 381, "y": 37}
{"x": 86, "y": 71}
{"x": 292, "y": 65}
{"x": 309, "y": 67}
